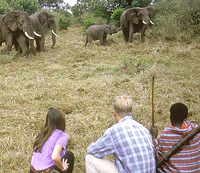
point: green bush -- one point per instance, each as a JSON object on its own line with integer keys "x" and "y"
{"x": 177, "y": 19}
{"x": 87, "y": 23}
{"x": 141, "y": 3}
{"x": 88, "y": 19}
{"x": 115, "y": 17}
{"x": 30, "y": 6}
{"x": 4, "y": 7}
{"x": 63, "y": 23}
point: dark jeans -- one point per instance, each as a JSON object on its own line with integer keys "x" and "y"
{"x": 70, "y": 159}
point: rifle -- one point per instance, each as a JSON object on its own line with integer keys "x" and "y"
{"x": 178, "y": 146}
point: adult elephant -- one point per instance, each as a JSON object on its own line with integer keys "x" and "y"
{"x": 99, "y": 32}
{"x": 40, "y": 21}
{"x": 134, "y": 20}
{"x": 14, "y": 24}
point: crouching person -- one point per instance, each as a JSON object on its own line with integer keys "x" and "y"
{"x": 129, "y": 141}
{"x": 49, "y": 147}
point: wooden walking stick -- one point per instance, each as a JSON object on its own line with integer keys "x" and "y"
{"x": 153, "y": 79}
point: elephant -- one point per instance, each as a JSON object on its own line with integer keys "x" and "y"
{"x": 40, "y": 21}
{"x": 14, "y": 25}
{"x": 136, "y": 19}
{"x": 99, "y": 32}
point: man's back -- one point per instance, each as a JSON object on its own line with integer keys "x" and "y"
{"x": 130, "y": 143}
{"x": 188, "y": 158}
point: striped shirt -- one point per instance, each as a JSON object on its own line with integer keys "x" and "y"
{"x": 185, "y": 161}
{"x": 130, "y": 143}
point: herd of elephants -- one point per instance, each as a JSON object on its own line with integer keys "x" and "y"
{"x": 19, "y": 29}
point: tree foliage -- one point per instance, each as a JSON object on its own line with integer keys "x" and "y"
{"x": 177, "y": 19}
{"x": 141, "y": 3}
{"x": 104, "y": 8}
{"x": 4, "y": 7}
{"x": 30, "y": 6}
{"x": 116, "y": 16}
{"x": 52, "y": 4}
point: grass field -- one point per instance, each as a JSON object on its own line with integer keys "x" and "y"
{"x": 82, "y": 82}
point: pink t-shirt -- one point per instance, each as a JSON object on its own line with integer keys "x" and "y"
{"x": 43, "y": 160}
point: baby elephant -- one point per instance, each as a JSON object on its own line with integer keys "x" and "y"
{"x": 99, "y": 32}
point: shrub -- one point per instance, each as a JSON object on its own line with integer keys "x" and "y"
{"x": 63, "y": 23}
{"x": 4, "y": 7}
{"x": 87, "y": 23}
{"x": 88, "y": 19}
{"x": 141, "y": 3}
{"x": 177, "y": 19}
{"x": 30, "y": 6}
{"x": 115, "y": 17}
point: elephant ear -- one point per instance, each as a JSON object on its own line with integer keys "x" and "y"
{"x": 43, "y": 19}
{"x": 10, "y": 20}
{"x": 131, "y": 15}
{"x": 107, "y": 29}
{"x": 151, "y": 11}
{"x": 51, "y": 18}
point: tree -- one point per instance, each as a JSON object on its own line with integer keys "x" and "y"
{"x": 30, "y": 6}
{"x": 141, "y": 3}
{"x": 4, "y": 7}
{"x": 52, "y": 4}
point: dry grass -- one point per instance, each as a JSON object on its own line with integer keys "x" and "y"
{"x": 83, "y": 82}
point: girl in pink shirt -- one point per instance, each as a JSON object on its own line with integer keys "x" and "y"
{"x": 50, "y": 145}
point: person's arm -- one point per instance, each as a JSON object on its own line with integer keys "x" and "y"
{"x": 56, "y": 158}
{"x": 102, "y": 147}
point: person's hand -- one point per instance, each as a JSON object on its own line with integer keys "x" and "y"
{"x": 154, "y": 131}
{"x": 65, "y": 164}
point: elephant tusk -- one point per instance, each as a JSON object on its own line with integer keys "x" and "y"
{"x": 145, "y": 23}
{"x": 54, "y": 33}
{"x": 37, "y": 34}
{"x": 151, "y": 22}
{"x": 29, "y": 36}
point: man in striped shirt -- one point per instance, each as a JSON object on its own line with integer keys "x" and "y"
{"x": 129, "y": 141}
{"x": 187, "y": 160}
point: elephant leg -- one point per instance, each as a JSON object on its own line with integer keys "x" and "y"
{"x": 37, "y": 44}
{"x": 86, "y": 41}
{"x": 31, "y": 43}
{"x": 126, "y": 34}
{"x": 90, "y": 39}
{"x": 103, "y": 41}
{"x": 9, "y": 43}
{"x": 42, "y": 40}
{"x": 21, "y": 40}
{"x": 16, "y": 45}
{"x": 131, "y": 31}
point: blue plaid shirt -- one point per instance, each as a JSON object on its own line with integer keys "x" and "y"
{"x": 130, "y": 143}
